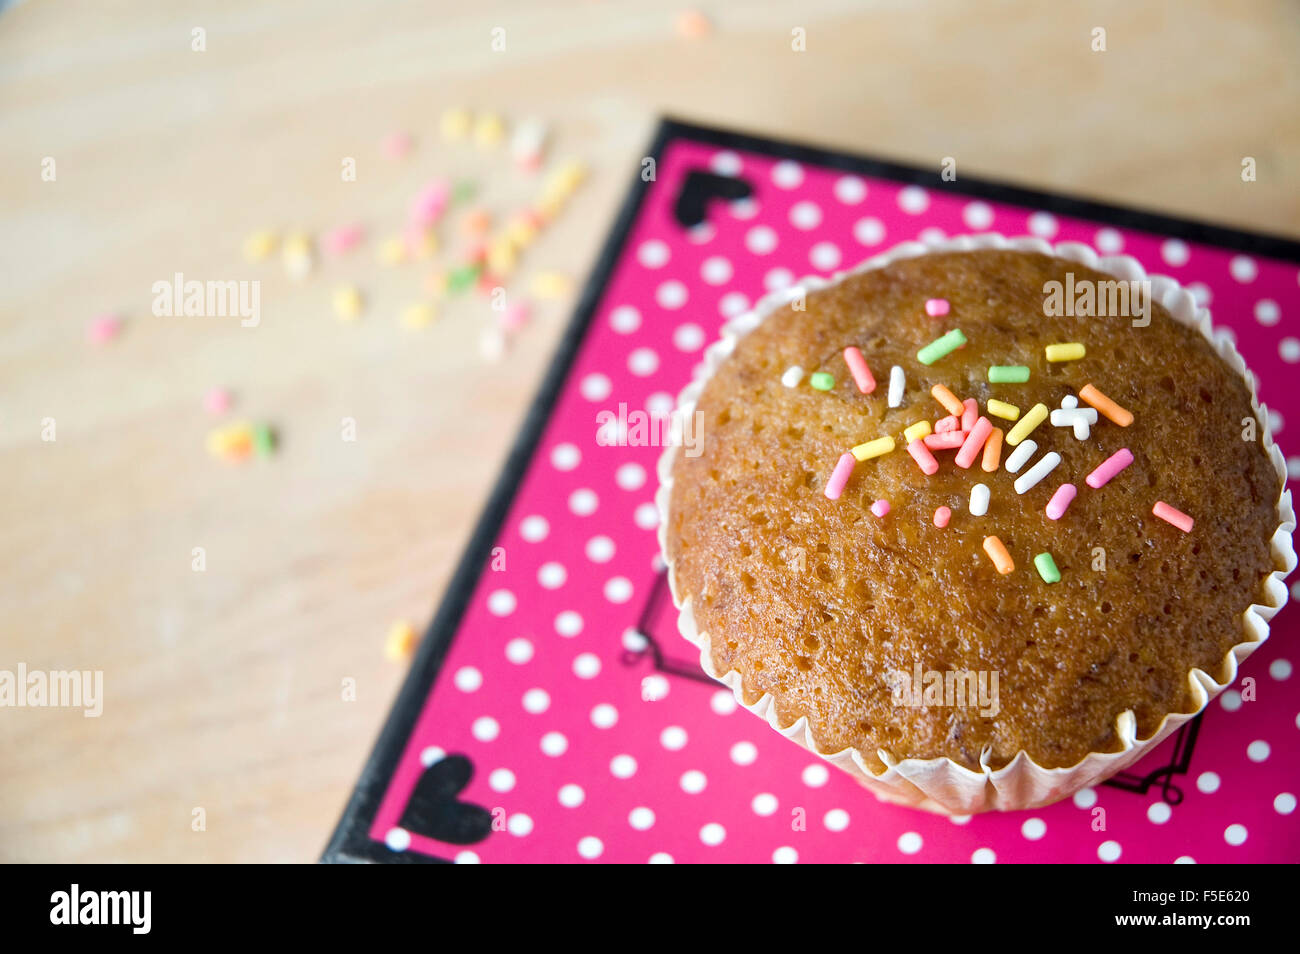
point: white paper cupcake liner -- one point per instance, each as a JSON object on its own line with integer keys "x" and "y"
{"x": 941, "y": 784}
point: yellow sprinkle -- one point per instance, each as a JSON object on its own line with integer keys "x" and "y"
{"x": 421, "y": 244}
{"x": 1065, "y": 352}
{"x": 551, "y": 285}
{"x": 881, "y": 445}
{"x": 917, "y": 431}
{"x": 231, "y": 441}
{"x": 418, "y": 316}
{"x": 297, "y": 255}
{"x": 565, "y": 179}
{"x": 400, "y": 642}
{"x": 1003, "y": 409}
{"x": 260, "y": 246}
{"x": 455, "y": 124}
{"x": 347, "y": 302}
{"x": 1037, "y": 414}
{"x": 501, "y": 257}
{"x": 522, "y": 230}
{"x": 489, "y": 130}
{"x": 391, "y": 251}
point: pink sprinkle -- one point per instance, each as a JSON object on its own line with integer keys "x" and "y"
{"x": 858, "y": 368}
{"x": 970, "y": 411}
{"x": 936, "y": 307}
{"x": 1108, "y": 468}
{"x": 103, "y": 328}
{"x": 396, "y": 145}
{"x": 924, "y": 459}
{"x": 974, "y": 443}
{"x": 516, "y": 316}
{"x": 946, "y": 424}
{"x": 941, "y": 517}
{"x": 880, "y": 508}
{"x": 1060, "y": 501}
{"x": 1169, "y": 515}
{"x": 217, "y": 401}
{"x": 342, "y": 239}
{"x": 840, "y": 476}
{"x": 428, "y": 205}
{"x": 949, "y": 440}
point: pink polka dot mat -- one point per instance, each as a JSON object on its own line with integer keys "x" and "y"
{"x": 555, "y": 715}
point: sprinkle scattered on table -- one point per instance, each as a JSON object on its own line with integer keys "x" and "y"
{"x": 103, "y": 328}
{"x": 401, "y": 640}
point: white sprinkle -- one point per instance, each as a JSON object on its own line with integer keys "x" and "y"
{"x": 896, "y": 384}
{"x": 979, "y": 500}
{"x": 1030, "y": 478}
{"x": 793, "y": 376}
{"x": 1080, "y": 418}
{"x": 1020, "y": 455}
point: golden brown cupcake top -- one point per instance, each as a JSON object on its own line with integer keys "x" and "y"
{"x": 822, "y": 603}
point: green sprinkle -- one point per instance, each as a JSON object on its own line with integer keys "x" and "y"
{"x": 822, "y": 381}
{"x": 1008, "y": 374}
{"x": 464, "y": 191}
{"x": 1047, "y": 568}
{"x": 462, "y": 278}
{"x": 263, "y": 440}
{"x": 941, "y": 347}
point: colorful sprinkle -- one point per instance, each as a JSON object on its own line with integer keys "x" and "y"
{"x": 950, "y": 401}
{"x": 974, "y": 443}
{"x": 917, "y": 431}
{"x": 391, "y": 251}
{"x": 1108, "y": 468}
{"x": 1003, "y": 410}
{"x": 992, "y": 451}
{"x": 896, "y": 385}
{"x": 998, "y": 554}
{"x": 342, "y": 239}
{"x": 1047, "y": 568}
{"x": 1037, "y": 414}
{"x": 400, "y": 642}
{"x": 880, "y": 508}
{"x": 979, "y": 500}
{"x": 693, "y": 25}
{"x": 793, "y": 376}
{"x": 970, "y": 414}
{"x": 263, "y": 440}
{"x": 396, "y": 145}
{"x": 1080, "y": 419}
{"x": 1060, "y": 501}
{"x": 1034, "y": 475}
{"x": 862, "y": 375}
{"x": 936, "y": 307}
{"x": 946, "y": 424}
{"x": 1008, "y": 374}
{"x": 839, "y": 477}
{"x": 942, "y": 516}
{"x": 876, "y": 448}
{"x": 419, "y": 315}
{"x": 455, "y": 124}
{"x": 217, "y": 401}
{"x": 1070, "y": 351}
{"x": 103, "y": 329}
{"x": 1106, "y": 406}
{"x": 949, "y": 440}
{"x": 297, "y": 256}
{"x": 551, "y": 285}
{"x": 347, "y": 302}
{"x": 231, "y": 442}
{"x": 1169, "y": 515}
{"x": 429, "y": 203}
{"x": 822, "y": 381}
{"x": 489, "y": 130}
{"x": 1020, "y": 456}
{"x": 924, "y": 459}
{"x": 260, "y": 246}
{"x": 940, "y": 347}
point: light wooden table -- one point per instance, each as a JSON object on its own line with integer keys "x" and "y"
{"x": 223, "y": 687}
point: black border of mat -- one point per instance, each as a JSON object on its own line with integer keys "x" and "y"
{"x": 351, "y": 841}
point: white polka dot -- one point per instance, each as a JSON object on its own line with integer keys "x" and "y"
{"x": 977, "y": 215}
{"x": 625, "y": 319}
{"x": 671, "y": 294}
{"x": 726, "y": 163}
{"x": 761, "y": 239}
{"x": 600, "y": 549}
{"x": 501, "y": 780}
{"x": 633, "y": 641}
{"x": 733, "y": 304}
{"x": 1085, "y": 798}
{"x": 1289, "y": 349}
{"x": 716, "y": 270}
{"x": 693, "y": 782}
{"x": 787, "y": 174}
{"x": 398, "y": 839}
{"x": 552, "y": 575}
{"x": 1235, "y": 835}
{"x": 1280, "y": 669}
{"x": 647, "y": 516}
{"x": 1175, "y": 252}
{"x": 654, "y": 688}
{"x": 837, "y": 819}
{"x": 604, "y": 716}
{"x": 519, "y": 825}
{"x": 534, "y": 528}
{"x": 1043, "y": 224}
{"x": 1293, "y": 471}
{"x": 805, "y": 215}
{"x": 1109, "y": 851}
{"x": 1159, "y": 813}
{"x": 764, "y": 803}
{"x": 1184, "y": 860}
{"x": 622, "y": 766}
{"x": 688, "y": 337}
{"x": 850, "y": 190}
{"x": 816, "y": 775}
{"x": 653, "y": 254}
{"x": 931, "y": 234}
{"x": 723, "y": 702}
{"x": 568, "y": 623}
{"x": 583, "y": 502}
{"x": 959, "y": 819}
{"x": 536, "y": 701}
{"x": 618, "y": 589}
{"x": 571, "y": 795}
{"x": 1208, "y": 782}
{"x": 1243, "y": 268}
{"x": 643, "y": 362}
{"x": 1275, "y": 421}
{"x": 1230, "y": 700}
{"x": 485, "y": 728}
{"x": 554, "y": 744}
{"x": 1284, "y": 804}
{"x": 743, "y": 209}
{"x": 984, "y": 856}
{"x": 586, "y": 666}
{"x": 744, "y": 753}
{"x": 1034, "y": 828}
{"x": 909, "y": 843}
{"x": 778, "y": 278}
{"x": 468, "y": 679}
{"x": 824, "y": 256}
{"x": 641, "y": 818}
{"x": 630, "y": 476}
{"x": 661, "y": 858}
{"x": 1258, "y": 751}
{"x": 431, "y": 754}
{"x": 1267, "y": 312}
{"x": 913, "y": 200}
{"x": 713, "y": 834}
{"x": 590, "y": 847}
{"x": 1109, "y": 241}
{"x": 785, "y": 855}
{"x": 869, "y": 231}
{"x": 673, "y": 738}
{"x": 501, "y": 603}
{"x": 595, "y": 387}
{"x": 565, "y": 456}
{"x": 466, "y": 857}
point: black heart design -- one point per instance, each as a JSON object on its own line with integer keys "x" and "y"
{"x": 434, "y": 811}
{"x": 701, "y": 187}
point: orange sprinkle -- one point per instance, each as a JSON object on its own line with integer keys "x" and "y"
{"x": 992, "y": 451}
{"x": 1106, "y": 406}
{"x": 947, "y": 399}
{"x": 998, "y": 554}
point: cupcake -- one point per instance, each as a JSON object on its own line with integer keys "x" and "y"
{"x": 981, "y": 522}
